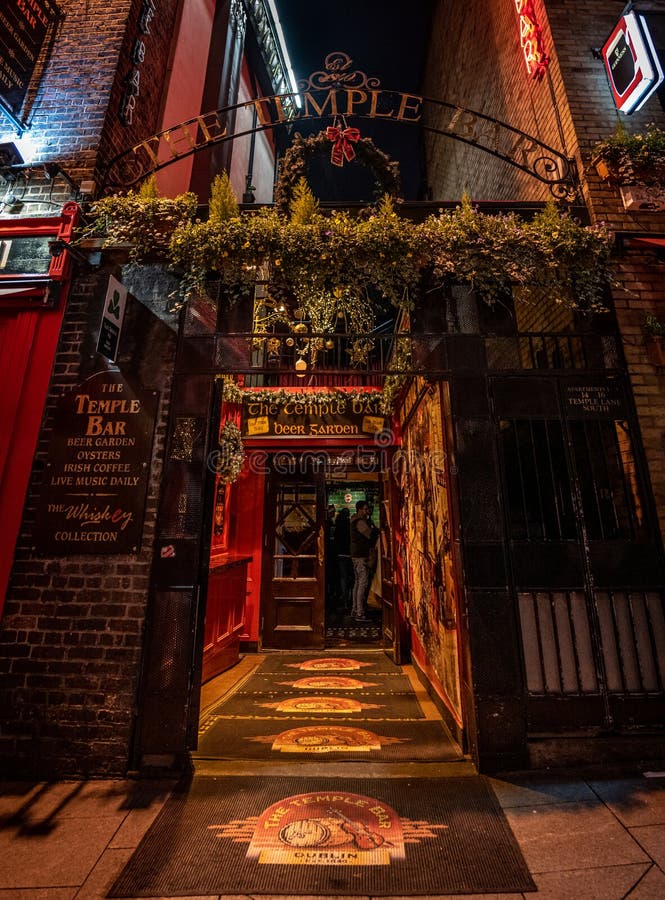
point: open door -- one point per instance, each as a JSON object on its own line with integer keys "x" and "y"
{"x": 293, "y": 595}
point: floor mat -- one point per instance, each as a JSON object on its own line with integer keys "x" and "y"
{"x": 349, "y": 663}
{"x": 294, "y": 836}
{"x": 343, "y": 705}
{"x": 324, "y": 682}
{"x": 303, "y": 740}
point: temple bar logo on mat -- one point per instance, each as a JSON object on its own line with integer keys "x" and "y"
{"x": 327, "y": 829}
{"x": 334, "y": 664}
{"x": 320, "y": 705}
{"x": 326, "y": 739}
{"x": 330, "y": 683}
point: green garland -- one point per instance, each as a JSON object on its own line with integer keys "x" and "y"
{"x": 339, "y": 257}
{"x": 231, "y": 453}
{"x": 231, "y": 393}
{"x": 345, "y": 263}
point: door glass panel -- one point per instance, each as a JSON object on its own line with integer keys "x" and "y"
{"x": 295, "y": 532}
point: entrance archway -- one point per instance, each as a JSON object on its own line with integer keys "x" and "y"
{"x": 338, "y": 94}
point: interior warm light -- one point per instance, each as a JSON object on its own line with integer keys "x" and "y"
{"x": 301, "y": 368}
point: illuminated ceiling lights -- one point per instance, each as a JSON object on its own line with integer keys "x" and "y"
{"x": 631, "y": 62}
{"x": 531, "y": 39}
{"x": 284, "y": 50}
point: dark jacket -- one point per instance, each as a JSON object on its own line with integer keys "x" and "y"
{"x": 343, "y": 533}
{"x": 363, "y": 537}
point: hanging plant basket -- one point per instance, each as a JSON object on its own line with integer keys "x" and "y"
{"x": 295, "y": 161}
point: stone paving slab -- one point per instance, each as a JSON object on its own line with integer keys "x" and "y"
{"x": 611, "y": 883}
{"x": 652, "y": 839}
{"x": 634, "y": 801}
{"x": 572, "y": 835}
{"x": 60, "y": 854}
{"x": 651, "y": 887}
{"x": 534, "y": 790}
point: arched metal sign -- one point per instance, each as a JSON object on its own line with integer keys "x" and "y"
{"x": 340, "y": 92}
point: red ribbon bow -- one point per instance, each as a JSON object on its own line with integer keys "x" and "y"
{"x": 342, "y": 149}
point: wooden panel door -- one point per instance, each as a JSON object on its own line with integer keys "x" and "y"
{"x": 293, "y": 595}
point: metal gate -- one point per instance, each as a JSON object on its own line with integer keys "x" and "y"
{"x": 585, "y": 560}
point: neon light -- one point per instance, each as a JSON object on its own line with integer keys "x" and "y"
{"x": 531, "y": 39}
{"x": 631, "y": 63}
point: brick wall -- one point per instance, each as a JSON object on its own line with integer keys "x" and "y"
{"x": 74, "y": 113}
{"x": 571, "y": 109}
{"x": 72, "y": 629}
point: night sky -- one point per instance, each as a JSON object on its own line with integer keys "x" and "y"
{"x": 386, "y": 39}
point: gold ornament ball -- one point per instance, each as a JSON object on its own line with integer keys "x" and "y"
{"x": 330, "y": 344}
{"x": 300, "y": 328}
{"x": 290, "y": 342}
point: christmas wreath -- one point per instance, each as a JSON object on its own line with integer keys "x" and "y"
{"x": 293, "y": 165}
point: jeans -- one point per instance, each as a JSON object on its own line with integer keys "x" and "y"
{"x": 361, "y": 571}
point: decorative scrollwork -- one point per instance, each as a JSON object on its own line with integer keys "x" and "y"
{"x": 549, "y": 169}
{"x": 564, "y": 190}
{"x": 337, "y": 74}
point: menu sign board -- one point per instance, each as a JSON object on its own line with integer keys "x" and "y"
{"x": 93, "y": 499}
{"x": 309, "y": 415}
{"x": 24, "y": 25}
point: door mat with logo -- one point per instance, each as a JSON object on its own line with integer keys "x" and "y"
{"x": 326, "y": 682}
{"x": 328, "y": 740}
{"x": 319, "y": 662}
{"x": 393, "y": 836}
{"x": 317, "y": 704}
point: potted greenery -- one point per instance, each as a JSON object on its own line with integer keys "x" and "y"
{"x": 627, "y": 158}
{"x": 636, "y": 164}
{"x": 654, "y": 330}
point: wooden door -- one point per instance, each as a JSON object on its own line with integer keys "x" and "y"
{"x": 293, "y": 595}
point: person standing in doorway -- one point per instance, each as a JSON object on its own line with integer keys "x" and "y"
{"x": 343, "y": 552}
{"x": 363, "y": 535}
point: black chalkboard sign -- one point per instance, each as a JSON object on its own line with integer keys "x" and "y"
{"x": 93, "y": 497}
{"x": 24, "y": 25}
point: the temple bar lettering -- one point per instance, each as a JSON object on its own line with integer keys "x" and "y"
{"x": 336, "y": 417}
{"x": 97, "y": 471}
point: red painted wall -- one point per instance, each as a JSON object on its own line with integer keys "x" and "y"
{"x": 28, "y": 340}
{"x": 186, "y": 83}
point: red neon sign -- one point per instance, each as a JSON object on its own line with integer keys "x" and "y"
{"x": 531, "y": 39}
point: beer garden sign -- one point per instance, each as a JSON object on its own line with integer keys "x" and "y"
{"x": 339, "y": 92}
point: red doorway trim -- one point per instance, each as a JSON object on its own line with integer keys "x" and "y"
{"x": 28, "y": 338}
